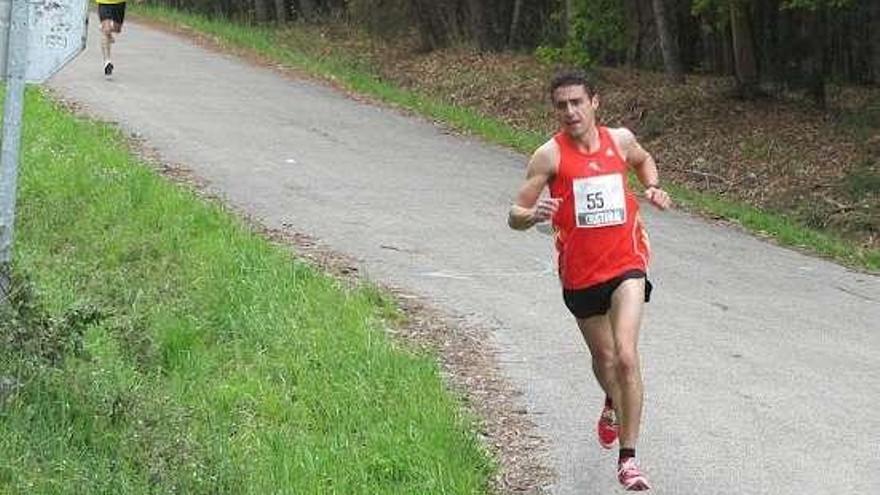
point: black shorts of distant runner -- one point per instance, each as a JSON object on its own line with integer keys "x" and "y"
{"x": 112, "y": 11}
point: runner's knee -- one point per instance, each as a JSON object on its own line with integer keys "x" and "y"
{"x": 627, "y": 364}
{"x": 603, "y": 358}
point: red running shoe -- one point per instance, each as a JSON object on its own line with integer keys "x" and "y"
{"x": 606, "y": 428}
{"x": 630, "y": 477}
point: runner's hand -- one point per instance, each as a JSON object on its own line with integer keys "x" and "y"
{"x": 545, "y": 208}
{"x": 658, "y": 197}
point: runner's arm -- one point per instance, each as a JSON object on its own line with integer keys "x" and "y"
{"x": 636, "y": 157}
{"x": 644, "y": 165}
{"x": 529, "y": 208}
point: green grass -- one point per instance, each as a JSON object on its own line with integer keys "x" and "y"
{"x": 157, "y": 345}
{"x": 281, "y": 46}
{"x": 784, "y": 230}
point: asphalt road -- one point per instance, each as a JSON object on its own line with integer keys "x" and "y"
{"x": 762, "y": 365}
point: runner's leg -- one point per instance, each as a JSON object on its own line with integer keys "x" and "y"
{"x": 625, "y": 316}
{"x": 107, "y": 27}
{"x": 597, "y": 333}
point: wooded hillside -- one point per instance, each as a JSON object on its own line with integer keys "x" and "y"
{"x": 768, "y": 46}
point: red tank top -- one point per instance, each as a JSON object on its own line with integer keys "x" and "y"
{"x": 599, "y": 233}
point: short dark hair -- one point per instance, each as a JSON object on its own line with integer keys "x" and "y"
{"x": 572, "y": 78}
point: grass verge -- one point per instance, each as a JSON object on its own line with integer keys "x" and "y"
{"x": 282, "y": 47}
{"x": 155, "y": 344}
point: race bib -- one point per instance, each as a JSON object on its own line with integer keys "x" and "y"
{"x": 599, "y": 201}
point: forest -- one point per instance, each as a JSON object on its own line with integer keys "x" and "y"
{"x": 767, "y": 46}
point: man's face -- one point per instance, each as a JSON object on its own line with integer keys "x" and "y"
{"x": 575, "y": 109}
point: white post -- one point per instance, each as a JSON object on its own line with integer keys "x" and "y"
{"x": 5, "y": 12}
{"x": 16, "y": 65}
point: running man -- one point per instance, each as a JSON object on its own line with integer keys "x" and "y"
{"x": 603, "y": 250}
{"x": 112, "y": 14}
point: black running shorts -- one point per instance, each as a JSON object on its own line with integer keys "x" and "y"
{"x": 596, "y": 299}
{"x": 112, "y": 11}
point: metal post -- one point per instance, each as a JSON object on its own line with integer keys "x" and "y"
{"x": 5, "y": 13}
{"x": 13, "y": 107}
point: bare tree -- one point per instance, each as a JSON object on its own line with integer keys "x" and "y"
{"x": 634, "y": 31}
{"x": 437, "y": 22}
{"x": 743, "y": 49}
{"x": 514, "y": 23}
{"x": 668, "y": 43}
{"x": 874, "y": 28}
{"x": 814, "y": 69}
{"x": 478, "y": 25}
{"x": 307, "y": 10}
{"x": 261, "y": 11}
{"x": 567, "y": 17}
{"x": 281, "y": 11}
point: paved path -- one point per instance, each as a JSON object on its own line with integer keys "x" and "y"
{"x": 762, "y": 365}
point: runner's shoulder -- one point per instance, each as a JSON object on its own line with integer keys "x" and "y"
{"x": 623, "y": 139}
{"x": 546, "y": 157}
{"x": 622, "y": 135}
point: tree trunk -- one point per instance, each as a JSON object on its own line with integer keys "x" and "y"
{"x": 477, "y": 24}
{"x": 815, "y": 60}
{"x": 650, "y": 48}
{"x": 514, "y": 23}
{"x": 668, "y": 43}
{"x": 261, "y": 11}
{"x": 307, "y": 10}
{"x": 432, "y": 28}
{"x": 634, "y": 32}
{"x": 743, "y": 50}
{"x": 281, "y": 11}
{"x": 874, "y": 27}
{"x": 567, "y": 17}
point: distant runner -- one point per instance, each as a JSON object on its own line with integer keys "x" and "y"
{"x": 603, "y": 250}
{"x": 112, "y": 14}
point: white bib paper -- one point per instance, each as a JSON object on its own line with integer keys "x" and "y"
{"x": 599, "y": 201}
